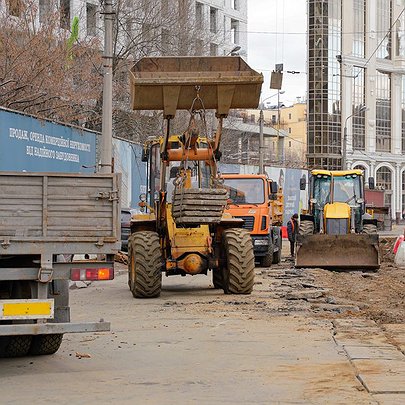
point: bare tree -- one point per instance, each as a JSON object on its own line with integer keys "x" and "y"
{"x": 40, "y": 74}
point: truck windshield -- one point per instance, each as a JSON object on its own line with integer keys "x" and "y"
{"x": 346, "y": 189}
{"x": 245, "y": 191}
{"x": 322, "y": 184}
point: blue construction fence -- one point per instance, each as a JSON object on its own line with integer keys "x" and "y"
{"x": 28, "y": 143}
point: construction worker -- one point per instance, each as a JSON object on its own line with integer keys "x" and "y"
{"x": 292, "y": 231}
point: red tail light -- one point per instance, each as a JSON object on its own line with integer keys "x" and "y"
{"x": 106, "y": 273}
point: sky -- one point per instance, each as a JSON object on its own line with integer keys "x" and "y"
{"x": 277, "y": 34}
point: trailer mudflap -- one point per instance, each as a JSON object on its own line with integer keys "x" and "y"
{"x": 53, "y": 328}
{"x": 351, "y": 251}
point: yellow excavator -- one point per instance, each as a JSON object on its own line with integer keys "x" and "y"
{"x": 336, "y": 232}
{"x": 184, "y": 229}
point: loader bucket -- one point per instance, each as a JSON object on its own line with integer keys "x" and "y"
{"x": 170, "y": 84}
{"x": 351, "y": 251}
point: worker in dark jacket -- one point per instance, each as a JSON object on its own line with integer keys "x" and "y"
{"x": 292, "y": 231}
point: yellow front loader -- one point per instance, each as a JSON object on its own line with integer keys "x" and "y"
{"x": 336, "y": 232}
{"x": 184, "y": 229}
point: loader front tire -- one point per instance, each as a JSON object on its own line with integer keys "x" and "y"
{"x": 306, "y": 228}
{"x": 46, "y": 344}
{"x": 217, "y": 279}
{"x": 369, "y": 229}
{"x": 145, "y": 264}
{"x": 239, "y": 269}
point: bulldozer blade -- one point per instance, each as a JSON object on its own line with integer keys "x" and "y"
{"x": 351, "y": 251}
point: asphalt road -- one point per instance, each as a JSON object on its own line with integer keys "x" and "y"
{"x": 191, "y": 345}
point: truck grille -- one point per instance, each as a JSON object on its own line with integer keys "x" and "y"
{"x": 249, "y": 222}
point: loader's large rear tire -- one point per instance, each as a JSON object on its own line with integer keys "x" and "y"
{"x": 145, "y": 264}
{"x": 239, "y": 269}
{"x": 306, "y": 228}
{"x": 217, "y": 279}
{"x": 45, "y": 344}
{"x": 14, "y": 346}
{"x": 369, "y": 229}
{"x": 267, "y": 260}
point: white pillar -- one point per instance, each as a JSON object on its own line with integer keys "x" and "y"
{"x": 397, "y": 191}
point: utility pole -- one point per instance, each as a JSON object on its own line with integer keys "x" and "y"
{"x": 105, "y": 165}
{"x": 261, "y": 142}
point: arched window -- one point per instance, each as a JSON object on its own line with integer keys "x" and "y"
{"x": 384, "y": 181}
{"x": 360, "y": 167}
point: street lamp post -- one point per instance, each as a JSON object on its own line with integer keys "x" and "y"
{"x": 261, "y": 136}
{"x": 344, "y": 146}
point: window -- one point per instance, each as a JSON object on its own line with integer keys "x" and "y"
{"x": 213, "y": 49}
{"x": 358, "y": 116}
{"x": 289, "y": 116}
{"x": 289, "y": 144}
{"x": 164, "y": 6}
{"x": 384, "y": 11}
{"x": 213, "y": 20}
{"x": 165, "y": 42}
{"x": 289, "y": 130}
{"x": 15, "y": 7}
{"x": 65, "y": 14}
{"x": 403, "y": 195}
{"x": 383, "y": 112}
{"x": 91, "y": 15}
{"x": 359, "y": 19}
{"x": 234, "y": 31}
{"x": 199, "y": 15}
{"x": 44, "y": 10}
{"x": 403, "y": 113}
{"x": 273, "y": 119}
{"x": 234, "y": 4}
{"x": 384, "y": 180}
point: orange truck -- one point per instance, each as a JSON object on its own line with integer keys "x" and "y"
{"x": 259, "y": 202}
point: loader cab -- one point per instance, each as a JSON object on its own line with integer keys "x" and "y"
{"x": 337, "y": 195}
{"x": 162, "y": 175}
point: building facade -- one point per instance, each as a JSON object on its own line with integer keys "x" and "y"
{"x": 356, "y": 91}
{"x": 213, "y": 27}
{"x": 292, "y": 121}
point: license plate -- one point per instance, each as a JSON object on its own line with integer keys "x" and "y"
{"x": 261, "y": 242}
{"x": 26, "y": 309}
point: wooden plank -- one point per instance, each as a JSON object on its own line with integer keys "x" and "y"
{"x": 197, "y": 214}
{"x": 197, "y": 220}
{"x": 198, "y": 202}
{"x": 194, "y": 207}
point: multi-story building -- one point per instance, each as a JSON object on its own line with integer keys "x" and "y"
{"x": 218, "y": 25}
{"x": 356, "y": 90}
{"x": 292, "y": 121}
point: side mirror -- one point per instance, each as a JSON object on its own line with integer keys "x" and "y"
{"x": 303, "y": 183}
{"x": 145, "y": 154}
{"x": 371, "y": 183}
{"x": 273, "y": 187}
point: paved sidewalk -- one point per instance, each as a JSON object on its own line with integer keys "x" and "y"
{"x": 377, "y": 354}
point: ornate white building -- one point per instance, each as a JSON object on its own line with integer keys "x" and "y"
{"x": 356, "y": 85}
{"x": 220, "y": 25}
